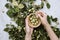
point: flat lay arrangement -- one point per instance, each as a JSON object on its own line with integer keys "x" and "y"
{"x": 18, "y": 10}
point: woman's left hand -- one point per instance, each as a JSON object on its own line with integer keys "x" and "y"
{"x": 29, "y": 30}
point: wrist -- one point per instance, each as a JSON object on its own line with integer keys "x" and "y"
{"x": 46, "y": 23}
{"x": 28, "y": 37}
{"x": 28, "y": 34}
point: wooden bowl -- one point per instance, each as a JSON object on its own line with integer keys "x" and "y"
{"x": 38, "y": 20}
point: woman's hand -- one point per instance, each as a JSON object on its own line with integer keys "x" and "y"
{"x": 48, "y": 28}
{"x": 29, "y": 30}
{"x": 42, "y": 16}
{"x": 44, "y": 21}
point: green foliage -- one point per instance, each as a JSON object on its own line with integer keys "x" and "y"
{"x": 20, "y": 21}
{"x": 42, "y": 5}
{"x": 48, "y": 5}
{"x": 14, "y": 33}
{"x": 8, "y": 5}
{"x": 9, "y": 0}
{"x": 54, "y": 19}
{"x": 49, "y": 19}
{"x": 19, "y": 14}
{"x": 12, "y": 13}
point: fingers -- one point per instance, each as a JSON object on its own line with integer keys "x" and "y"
{"x": 26, "y": 20}
{"x": 39, "y": 15}
{"x": 28, "y": 29}
{"x": 26, "y": 23}
{"x": 42, "y": 14}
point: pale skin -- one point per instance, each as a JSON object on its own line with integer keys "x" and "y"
{"x": 44, "y": 22}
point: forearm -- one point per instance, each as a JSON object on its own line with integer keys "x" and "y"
{"x": 50, "y": 32}
{"x": 27, "y": 37}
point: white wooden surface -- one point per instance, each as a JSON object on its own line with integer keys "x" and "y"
{"x": 4, "y": 19}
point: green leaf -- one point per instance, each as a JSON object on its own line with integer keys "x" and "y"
{"x": 20, "y": 21}
{"x": 43, "y": 0}
{"x": 48, "y": 5}
{"x": 9, "y": 0}
{"x": 49, "y": 19}
{"x": 7, "y": 25}
{"x": 16, "y": 9}
{"x": 6, "y": 29}
{"x": 54, "y": 20}
{"x": 8, "y": 5}
{"x": 10, "y": 12}
{"x": 42, "y": 5}
{"x": 21, "y": 6}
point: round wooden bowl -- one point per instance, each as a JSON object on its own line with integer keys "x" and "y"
{"x": 30, "y": 24}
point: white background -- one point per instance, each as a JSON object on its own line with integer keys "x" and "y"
{"x": 4, "y": 19}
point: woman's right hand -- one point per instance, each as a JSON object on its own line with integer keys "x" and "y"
{"x": 43, "y": 17}
{"x": 48, "y": 28}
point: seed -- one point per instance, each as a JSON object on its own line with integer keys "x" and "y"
{"x": 15, "y": 3}
{"x": 21, "y": 6}
{"x": 31, "y": 18}
{"x": 35, "y": 23}
{"x": 30, "y": 10}
{"x": 35, "y": 19}
{"x": 31, "y": 21}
